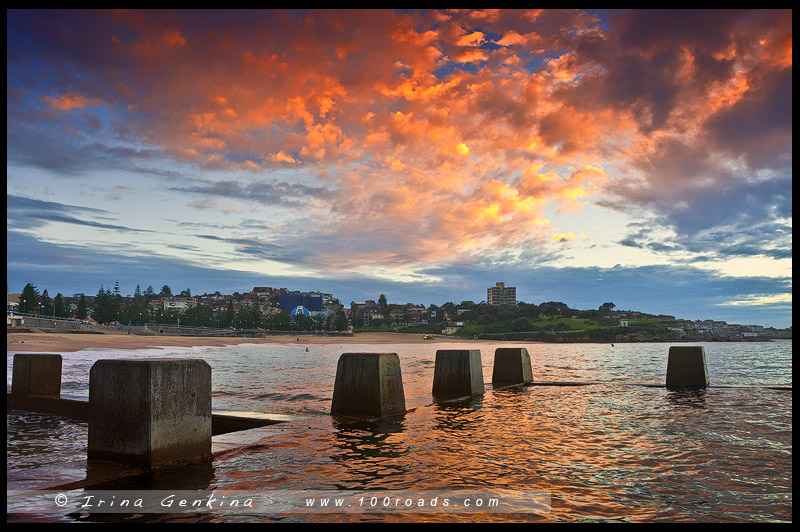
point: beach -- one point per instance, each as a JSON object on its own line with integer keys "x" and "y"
{"x": 66, "y": 342}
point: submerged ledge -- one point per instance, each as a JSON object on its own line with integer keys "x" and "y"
{"x": 222, "y": 422}
{"x": 232, "y": 432}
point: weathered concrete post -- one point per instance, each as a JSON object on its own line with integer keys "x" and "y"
{"x": 368, "y": 384}
{"x": 458, "y": 373}
{"x": 152, "y": 413}
{"x": 36, "y": 374}
{"x": 512, "y": 365}
{"x": 686, "y": 366}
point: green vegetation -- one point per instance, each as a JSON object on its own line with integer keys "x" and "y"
{"x": 550, "y": 321}
{"x": 29, "y": 299}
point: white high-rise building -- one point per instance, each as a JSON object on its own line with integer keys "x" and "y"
{"x": 500, "y": 294}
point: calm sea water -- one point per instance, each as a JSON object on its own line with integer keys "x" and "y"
{"x": 612, "y": 451}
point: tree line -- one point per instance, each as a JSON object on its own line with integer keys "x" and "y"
{"x": 519, "y": 317}
{"x": 109, "y": 306}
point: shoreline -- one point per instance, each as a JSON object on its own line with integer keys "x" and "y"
{"x": 66, "y": 342}
{"x": 56, "y": 342}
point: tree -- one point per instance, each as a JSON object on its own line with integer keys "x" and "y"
{"x": 103, "y": 304}
{"x": 355, "y": 313}
{"x": 484, "y": 319}
{"x": 280, "y": 321}
{"x": 116, "y": 302}
{"x": 604, "y": 312}
{"x": 249, "y": 317}
{"x": 166, "y": 291}
{"x": 528, "y": 310}
{"x": 227, "y": 317}
{"x": 83, "y": 310}
{"x": 384, "y": 305}
{"x": 506, "y": 316}
{"x": 303, "y": 322}
{"x": 520, "y": 324}
{"x": 340, "y": 321}
{"x": 59, "y": 310}
{"x": 137, "y": 308}
{"x": 45, "y": 304}
{"x": 199, "y": 315}
{"x": 554, "y": 309}
{"x": 29, "y": 298}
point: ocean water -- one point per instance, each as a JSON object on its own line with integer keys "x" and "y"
{"x": 611, "y": 451}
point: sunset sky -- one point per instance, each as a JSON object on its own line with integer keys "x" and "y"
{"x": 637, "y": 157}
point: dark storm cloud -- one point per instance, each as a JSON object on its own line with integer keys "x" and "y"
{"x": 759, "y": 127}
{"x": 726, "y": 77}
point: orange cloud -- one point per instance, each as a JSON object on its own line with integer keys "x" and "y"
{"x": 409, "y": 134}
{"x": 174, "y": 38}
{"x": 472, "y": 39}
{"x": 69, "y": 101}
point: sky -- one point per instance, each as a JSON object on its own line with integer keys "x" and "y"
{"x": 637, "y": 157}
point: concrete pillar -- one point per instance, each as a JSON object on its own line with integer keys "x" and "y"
{"x": 152, "y": 413}
{"x": 686, "y": 366}
{"x": 369, "y": 385}
{"x": 512, "y": 365}
{"x": 36, "y": 374}
{"x": 458, "y": 373}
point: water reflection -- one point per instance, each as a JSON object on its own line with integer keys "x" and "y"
{"x": 686, "y": 397}
{"x": 188, "y": 477}
{"x": 458, "y": 415}
{"x": 510, "y": 389}
{"x": 370, "y": 452}
{"x": 605, "y": 452}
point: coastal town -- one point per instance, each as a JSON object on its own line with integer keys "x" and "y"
{"x": 265, "y": 309}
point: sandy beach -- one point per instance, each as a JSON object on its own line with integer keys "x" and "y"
{"x": 64, "y": 343}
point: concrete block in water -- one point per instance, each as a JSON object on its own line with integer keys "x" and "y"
{"x": 686, "y": 366}
{"x": 36, "y": 374}
{"x": 152, "y": 413}
{"x": 512, "y": 365}
{"x": 368, "y": 384}
{"x": 458, "y": 373}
